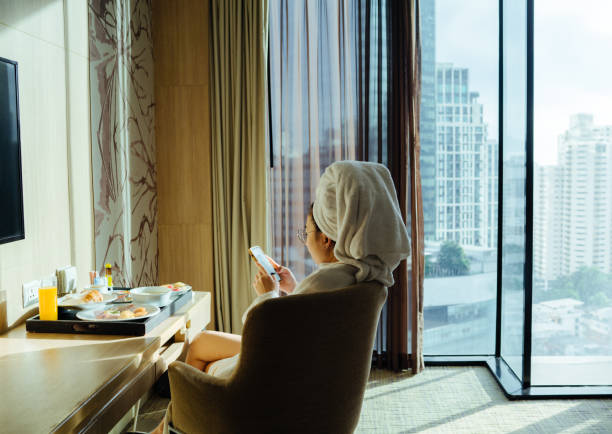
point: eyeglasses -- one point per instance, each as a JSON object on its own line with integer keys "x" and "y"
{"x": 302, "y": 234}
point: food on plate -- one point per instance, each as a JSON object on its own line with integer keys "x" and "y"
{"x": 126, "y": 314}
{"x": 140, "y": 311}
{"x": 123, "y": 296}
{"x": 122, "y": 312}
{"x": 93, "y": 296}
{"x": 177, "y": 286}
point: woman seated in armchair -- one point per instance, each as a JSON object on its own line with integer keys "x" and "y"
{"x": 354, "y": 233}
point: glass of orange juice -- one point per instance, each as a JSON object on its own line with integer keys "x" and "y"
{"x": 47, "y": 299}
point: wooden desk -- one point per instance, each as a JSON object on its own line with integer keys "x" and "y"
{"x": 86, "y": 383}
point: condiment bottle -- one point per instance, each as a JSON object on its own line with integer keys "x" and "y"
{"x": 109, "y": 275}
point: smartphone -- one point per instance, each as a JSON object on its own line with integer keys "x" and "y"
{"x": 258, "y": 255}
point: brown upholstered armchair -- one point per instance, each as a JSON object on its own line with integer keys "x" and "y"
{"x": 304, "y": 365}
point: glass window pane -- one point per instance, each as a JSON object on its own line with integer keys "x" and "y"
{"x": 460, "y": 77}
{"x": 572, "y": 267}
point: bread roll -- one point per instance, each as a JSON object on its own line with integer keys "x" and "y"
{"x": 93, "y": 296}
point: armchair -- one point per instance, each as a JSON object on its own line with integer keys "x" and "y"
{"x": 304, "y": 364}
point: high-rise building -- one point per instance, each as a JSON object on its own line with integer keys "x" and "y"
{"x": 585, "y": 160}
{"x": 428, "y": 116}
{"x": 466, "y": 166}
{"x": 573, "y": 203}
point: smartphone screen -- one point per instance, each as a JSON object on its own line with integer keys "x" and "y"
{"x": 258, "y": 255}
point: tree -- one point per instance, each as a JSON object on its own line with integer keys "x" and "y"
{"x": 600, "y": 300}
{"x": 587, "y": 284}
{"x": 451, "y": 258}
{"x": 428, "y": 266}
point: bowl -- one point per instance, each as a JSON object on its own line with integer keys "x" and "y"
{"x": 155, "y": 295}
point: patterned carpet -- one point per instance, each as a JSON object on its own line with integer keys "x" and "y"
{"x": 454, "y": 400}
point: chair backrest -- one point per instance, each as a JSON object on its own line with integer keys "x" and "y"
{"x": 305, "y": 360}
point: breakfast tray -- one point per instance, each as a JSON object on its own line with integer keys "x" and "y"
{"x": 67, "y": 322}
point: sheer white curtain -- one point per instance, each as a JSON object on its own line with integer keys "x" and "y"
{"x": 313, "y": 97}
{"x": 344, "y": 82}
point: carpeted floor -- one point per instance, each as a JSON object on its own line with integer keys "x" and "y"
{"x": 468, "y": 400}
{"x": 453, "y": 400}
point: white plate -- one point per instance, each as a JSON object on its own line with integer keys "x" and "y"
{"x": 91, "y": 315}
{"x": 76, "y": 301}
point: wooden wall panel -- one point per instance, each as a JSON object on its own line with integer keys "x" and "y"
{"x": 182, "y": 119}
{"x": 180, "y": 35}
{"x": 184, "y": 160}
{"x": 185, "y": 253}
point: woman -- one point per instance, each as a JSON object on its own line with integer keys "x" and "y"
{"x": 354, "y": 233}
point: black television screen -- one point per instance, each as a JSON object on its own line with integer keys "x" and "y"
{"x": 11, "y": 194}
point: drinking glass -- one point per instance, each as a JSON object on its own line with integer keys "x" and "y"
{"x": 47, "y": 299}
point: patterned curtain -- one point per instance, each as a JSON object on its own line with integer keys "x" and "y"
{"x": 123, "y": 140}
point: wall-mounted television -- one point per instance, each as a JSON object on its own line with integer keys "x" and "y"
{"x": 11, "y": 187}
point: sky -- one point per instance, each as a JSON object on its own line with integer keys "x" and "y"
{"x": 572, "y": 61}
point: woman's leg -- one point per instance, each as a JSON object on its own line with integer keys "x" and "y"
{"x": 210, "y": 346}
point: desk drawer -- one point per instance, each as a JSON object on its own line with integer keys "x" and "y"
{"x": 167, "y": 355}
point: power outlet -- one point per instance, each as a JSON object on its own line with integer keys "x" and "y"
{"x": 30, "y": 293}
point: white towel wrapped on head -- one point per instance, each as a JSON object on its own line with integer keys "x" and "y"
{"x": 356, "y": 206}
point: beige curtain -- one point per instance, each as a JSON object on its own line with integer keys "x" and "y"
{"x": 238, "y": 38}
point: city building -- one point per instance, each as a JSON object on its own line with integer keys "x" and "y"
{"x": 573, "y": 203}
{"x": 585, "y": 159}
{"x": 466, "y": 165}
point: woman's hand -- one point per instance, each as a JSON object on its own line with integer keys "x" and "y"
{"x": 287, "y": 283}
{"x": 263, "y": 282}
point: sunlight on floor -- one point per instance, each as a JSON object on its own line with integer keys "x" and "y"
{"x": 468, "y": 400}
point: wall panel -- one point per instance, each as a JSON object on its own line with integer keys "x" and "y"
{"x": 180, "y": 44}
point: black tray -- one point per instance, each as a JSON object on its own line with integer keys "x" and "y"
{"x": 67, "y": 322}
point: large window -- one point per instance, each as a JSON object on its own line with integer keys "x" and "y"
{"x": 459, "y": 165}
{"x": 552, "y": 320}
{"x": 572, "y": 263}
